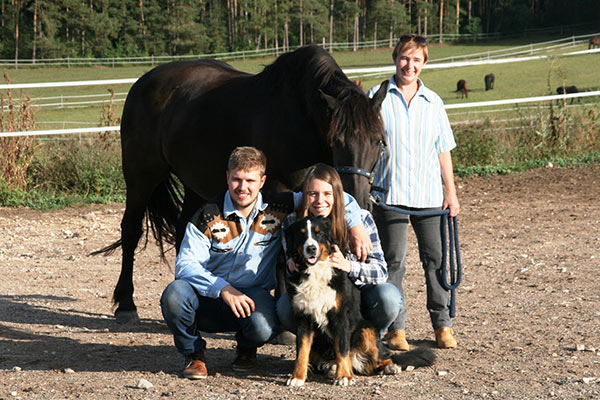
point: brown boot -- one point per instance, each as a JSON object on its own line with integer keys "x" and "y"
{"x": 444, "y": 338}
{"x": 245, "y": 360}
{"x": 396, "y": 340}
{"x": 195, "y": 366}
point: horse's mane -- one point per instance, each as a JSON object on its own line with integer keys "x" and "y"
{"x": 309, "y": 70}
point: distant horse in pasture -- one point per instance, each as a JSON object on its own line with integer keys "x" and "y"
{"x": 461, "y": 88}
{"x": 181, "y": 120}
{"x": 594, "y": 42}
{"x": 489, "y": 81}
{"x": 566, "y": 89}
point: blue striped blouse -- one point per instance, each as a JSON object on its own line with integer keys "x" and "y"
{"x": 416, "y": 134}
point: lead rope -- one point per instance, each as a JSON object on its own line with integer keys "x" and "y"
{"x": 455, "y": 271}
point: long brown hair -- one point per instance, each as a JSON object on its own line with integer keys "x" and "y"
{"x": 339, "y": 229}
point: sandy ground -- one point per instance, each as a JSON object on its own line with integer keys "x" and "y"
{"x": 528, "y": 314}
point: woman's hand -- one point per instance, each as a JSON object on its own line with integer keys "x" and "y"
{"x": 339, "y": 261}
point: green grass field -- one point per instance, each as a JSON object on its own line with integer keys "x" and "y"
{"x": 513, "y": 80}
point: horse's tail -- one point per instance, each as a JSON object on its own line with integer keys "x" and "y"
{"x": 162, "y": 213}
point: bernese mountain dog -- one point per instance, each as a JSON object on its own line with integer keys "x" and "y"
{"x": 332, "y": 335}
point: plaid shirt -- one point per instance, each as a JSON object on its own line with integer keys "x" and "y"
{"x": 371, "y": 272}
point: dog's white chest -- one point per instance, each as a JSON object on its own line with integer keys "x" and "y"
{"x": 314, "y": 295}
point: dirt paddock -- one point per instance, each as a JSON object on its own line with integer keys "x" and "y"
{"x": 528, "y": 310}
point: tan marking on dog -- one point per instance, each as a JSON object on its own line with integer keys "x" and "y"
{"x": 365, "y": 357}
{"x": 324, "y": 255}
{"x": 343, "y": 375}
{"x": 302, "y": 359}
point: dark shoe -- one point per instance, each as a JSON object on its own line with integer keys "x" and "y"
{"x": 195, "y": 366}
{"x": 245, "y": 360}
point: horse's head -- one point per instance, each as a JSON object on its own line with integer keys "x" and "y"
{"x": 357, "y": 139}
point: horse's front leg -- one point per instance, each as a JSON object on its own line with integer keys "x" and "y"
{"x": 304, "y": 341}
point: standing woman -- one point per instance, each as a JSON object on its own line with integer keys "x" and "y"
{"x": 322, "y": 195}
{"x": 417, "y": 175}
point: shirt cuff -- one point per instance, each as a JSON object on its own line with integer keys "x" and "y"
{"x": 215, "y": 290}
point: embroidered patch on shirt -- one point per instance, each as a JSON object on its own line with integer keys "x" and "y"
{"x": 269, "y": 222}
{"x": 219, "y": 230}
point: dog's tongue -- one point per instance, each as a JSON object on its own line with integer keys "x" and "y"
{"x": 312, "y": 260}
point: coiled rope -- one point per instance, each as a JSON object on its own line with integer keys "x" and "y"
{"x": 450, "y": 251}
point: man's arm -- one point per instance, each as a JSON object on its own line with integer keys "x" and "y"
{"x": 194, "y": 254}
{"x": 360, "y": 243}
{"x": 191, "y": 261}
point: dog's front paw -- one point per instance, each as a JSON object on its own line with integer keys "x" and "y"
{"x": 391, "y": 369}
{"x": 295, "y": 382}
{"x": 344, "y": 381}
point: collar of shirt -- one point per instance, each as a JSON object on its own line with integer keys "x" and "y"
{"x": 423, "y": 91}
{"x": 229, "y": 208}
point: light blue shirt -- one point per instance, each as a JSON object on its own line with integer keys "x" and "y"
{"x": 237, "y": 251}
{"x": 416, "y": 134}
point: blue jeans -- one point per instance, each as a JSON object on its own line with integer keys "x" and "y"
{"x": 380, "y": 304}
{"x": 187, "y": 314}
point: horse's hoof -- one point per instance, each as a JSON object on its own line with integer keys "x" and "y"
{"x": 127, "y": 317}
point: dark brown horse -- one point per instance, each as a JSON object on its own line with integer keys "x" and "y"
{"x": 594, "y": 42}
{"x": 181, "y": 121}
{"x": 461, "y": 89}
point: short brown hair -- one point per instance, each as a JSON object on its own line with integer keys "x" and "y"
{"x": 247, "y": 158}
{"x": 410, "y": 42}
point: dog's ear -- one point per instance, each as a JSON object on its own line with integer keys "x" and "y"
{"x": 289, "y": 239}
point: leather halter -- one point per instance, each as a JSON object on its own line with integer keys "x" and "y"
{"x": 360, "y": 171}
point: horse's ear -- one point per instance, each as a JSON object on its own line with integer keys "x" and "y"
{"x": 331, "y": 101}
{"x": 380, "y": 95}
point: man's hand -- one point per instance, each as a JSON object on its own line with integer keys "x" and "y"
{"x": 241, "y": 305}
{"x": 360, "y": 242}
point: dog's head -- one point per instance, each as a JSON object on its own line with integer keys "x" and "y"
{"x": 309, "y": 241}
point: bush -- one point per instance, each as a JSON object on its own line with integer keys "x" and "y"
{"x": 88, "y": 169}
